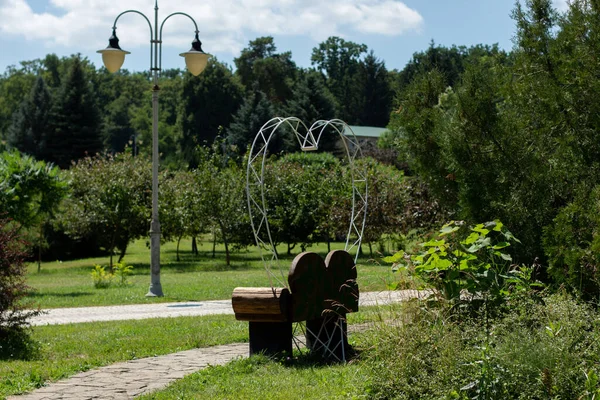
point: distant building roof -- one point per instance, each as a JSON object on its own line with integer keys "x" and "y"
{"x": 365, "y": 131}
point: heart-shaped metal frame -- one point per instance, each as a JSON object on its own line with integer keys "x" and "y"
{"x": 308, "y": 140}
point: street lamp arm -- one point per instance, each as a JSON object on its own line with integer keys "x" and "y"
{"x": 147, "y": 20}
{"x": 161, "y": 30}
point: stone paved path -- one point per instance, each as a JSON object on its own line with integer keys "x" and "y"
{"x": 125, "y": 380}
{"x": 158, "y": 310}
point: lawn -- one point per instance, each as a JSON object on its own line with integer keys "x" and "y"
{"x": 59, "y": 351}
{"x": 193, "y": 278}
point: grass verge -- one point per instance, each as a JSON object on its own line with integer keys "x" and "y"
{"x": 59, "y": 351}
{"x": 192, "y": 278}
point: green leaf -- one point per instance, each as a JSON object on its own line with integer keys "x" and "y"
{"x": 448, "y": 229}
{"x": 472, "y": 238}
{"x": 434, "y": 243}
{"x": 501, "y": 245}
{"x": 399, "y": 256}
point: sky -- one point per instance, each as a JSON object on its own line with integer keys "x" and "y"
{"x": 393, "y": 29}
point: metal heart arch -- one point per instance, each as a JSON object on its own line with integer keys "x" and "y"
{"x": 308, "y": 140}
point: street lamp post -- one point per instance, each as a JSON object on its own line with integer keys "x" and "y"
{"x": 195, "y": 59}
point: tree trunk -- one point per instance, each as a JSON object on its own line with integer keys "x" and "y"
{"x": 122, "y": 255}
{"x": 370, "y": 250}
{"x": 224, "y": 236}
{"x": 178, "y": 241}
{"x": 194, "y": 246}
{"x": 40, "y": 248}
{"x": 214, "y": 243}
{"x": 328, "y": 245}
{"x": 290, "y": 248}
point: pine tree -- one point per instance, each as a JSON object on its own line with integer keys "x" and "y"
{"x": 377, "y": 94}
{"x": 312, "y": 101}
{"x": 252, "y": 115}
{"x": 208, "y": 102}
{"x": 75, "y": 126}
{"x": 30, "y": 123}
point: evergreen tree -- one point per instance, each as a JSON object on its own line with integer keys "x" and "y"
{"x": 208, "y": 103}
{"x": 75, "y": 120}
{"x": 30, "y": 123}
{"x": 252, "y": 115}
{"x": 312, "y": 101}
{"x": 377, "y": 95}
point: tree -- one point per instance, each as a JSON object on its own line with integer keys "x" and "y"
{"x": 110, "y": 198}
{"x": 259, "y": 66}
{"x": 339, "y": 60}
{"x": 30, "y": 193}
{"x": 376, "y": 102}
{"x": 181, "y": 212}
{"x": 223, "y": 198}
{"x": 208, "y": 102}
{"x": 254, "y": 112}
{"x": 75, "y": 120}
{"x": 29, "y": 130}
{"x": 13, "y": 312}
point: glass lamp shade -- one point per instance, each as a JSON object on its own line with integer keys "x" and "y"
{"x": 113, "y": 58}
{"x": 195, "y": 61}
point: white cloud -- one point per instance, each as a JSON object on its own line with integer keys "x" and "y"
{"x": 225, "y": 25}
{"x": 561, "y": 5}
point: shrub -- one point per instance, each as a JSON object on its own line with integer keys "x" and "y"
{"x": 539, "y": 349}
{"x": 13, "y": 312}
{"x": 102, "y": 278}
{"x": 122, "y": 271}
{"x": 463, "y": 260}
{"x": 572, "y": 244}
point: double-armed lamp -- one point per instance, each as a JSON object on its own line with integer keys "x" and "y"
{"x": 196, "y": 60}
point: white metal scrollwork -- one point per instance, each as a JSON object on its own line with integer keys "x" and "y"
{"x": 308, "y": 139}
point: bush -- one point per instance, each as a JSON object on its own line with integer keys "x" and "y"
{"x": 13, "y": 312}
{"x": 102, "y": 278}
{"x": 572, "y": 244}
{"x": 463, "y": 260}
{"x": 539, "y": 349}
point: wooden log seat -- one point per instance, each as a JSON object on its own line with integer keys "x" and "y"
{"x": 261, "y": 304}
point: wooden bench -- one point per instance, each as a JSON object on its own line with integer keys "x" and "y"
{"x": 321, "y": 293}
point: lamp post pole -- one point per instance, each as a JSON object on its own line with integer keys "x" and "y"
{"x": 196, "y": 59}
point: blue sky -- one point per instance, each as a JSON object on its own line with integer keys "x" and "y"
{"x": 393, "y": 29}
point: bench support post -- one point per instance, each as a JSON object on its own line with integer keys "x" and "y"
{"x": 271, "y": 338}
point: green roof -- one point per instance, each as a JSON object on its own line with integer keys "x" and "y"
{"x": 365, "y": 131}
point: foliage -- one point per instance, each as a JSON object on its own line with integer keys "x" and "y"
{"x": 101, "y": 277}
{"x": 110, "y": 199}
{"x": 222, "y": 198}
{"x": 208, "y": 103}
{"x": 254, "y": 112}
{"x": 14, "y": 313}
{"x": 459, "y": 261}
{"x": 29, "y": 129}
{"x": 259, "y": 67}
{"x": 30, "y": 190}
{"x": 339, "y": 61}
{"x": 74, "y": 130}
{"x": 181, "y": 211}
{"x": 535, "y": 350}
{"x": 572, "y": 243}
{"x": 304, "y": 194}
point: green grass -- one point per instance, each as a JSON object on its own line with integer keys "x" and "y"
{"x": 60, "y": 351}
{"x": 193, "y": 278}
{"x": 260, "y": 378}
